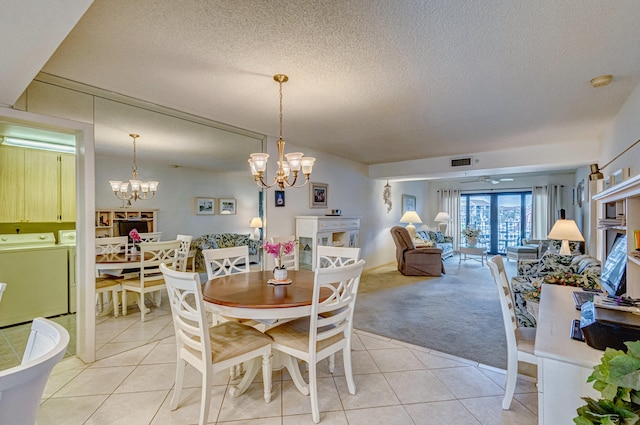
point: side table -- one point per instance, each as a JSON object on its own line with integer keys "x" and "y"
{"x": 473, "y": 251}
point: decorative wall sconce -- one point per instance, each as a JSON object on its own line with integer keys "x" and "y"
{"x": 386, "y": 195}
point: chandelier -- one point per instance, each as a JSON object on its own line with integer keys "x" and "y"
{"x": 139, "y": 189}
{"x": 296, "y": 161}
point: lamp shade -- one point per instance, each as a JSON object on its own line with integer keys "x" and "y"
{"x": 410, "y": 217}
{"x": 442, "y": 216}
{"x": 565, "y": 230}
{"x": 256, "y": 223}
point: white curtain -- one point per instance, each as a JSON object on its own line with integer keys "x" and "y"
{"x": 450, "y": 203}
{"x": 546, "y": 202}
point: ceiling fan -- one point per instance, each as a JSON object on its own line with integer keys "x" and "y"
{"x": 487, "y": 179}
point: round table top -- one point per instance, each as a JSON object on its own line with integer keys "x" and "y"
{"x": 251, "y": 290}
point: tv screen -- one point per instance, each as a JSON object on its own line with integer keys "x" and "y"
{"x": 124, "y": 227}
{"x": 613, "y": 279}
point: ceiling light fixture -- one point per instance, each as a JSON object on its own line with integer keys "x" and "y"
{"x": 295, "y": 162}
{"x": 601, "y": 81}
{"x": 139, "y": 189}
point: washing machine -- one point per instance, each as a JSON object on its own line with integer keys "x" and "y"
{"x": 35, "y": 270}
{"x": 67, "y": 238}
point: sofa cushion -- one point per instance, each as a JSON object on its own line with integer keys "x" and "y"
{"x": 439, "y": 237}
{"x": 423, "y": 234}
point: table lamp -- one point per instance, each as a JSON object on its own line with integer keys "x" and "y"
{"x": 411, "y": 217}
{"x": 565, "y": 230}
{"x": 256, "y": 224}
{"x": 442, "y": 218}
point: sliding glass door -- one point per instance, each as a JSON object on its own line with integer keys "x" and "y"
{"x": 504, "y": 219}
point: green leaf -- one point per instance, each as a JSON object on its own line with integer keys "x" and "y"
{"x": 633, "y": 348}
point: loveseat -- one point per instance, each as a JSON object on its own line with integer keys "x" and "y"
{"x": 573, "y": 270}
{"x": 445, "y": 243}
{"x": 224, "y": 240}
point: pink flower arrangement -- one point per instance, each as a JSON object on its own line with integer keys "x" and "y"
{"x": 278, "y": 250}
{"x": 134, "y": 235}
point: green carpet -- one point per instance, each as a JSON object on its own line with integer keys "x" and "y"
{"x": 458, "y": 313}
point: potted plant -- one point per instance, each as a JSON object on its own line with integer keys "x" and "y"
{"x": 617, "y": 378}
{"x": 278, "y": 250}
{"x": 471, "y": 234}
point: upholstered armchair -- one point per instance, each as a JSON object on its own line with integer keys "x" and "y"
{"x": 415, "y": 261}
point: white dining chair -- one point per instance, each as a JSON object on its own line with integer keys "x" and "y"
{"x": 291, "y": 261}
{"x": 3, "y": 287}
{"x": 317, "y": 337}
{"x": 150, "y": 236}
{"x": 336, "y": 256}
{"x": 211, "y": 349}
{"x": 183, "y": 252}
{"x": 149, "y": 279}
{"x": 520, "y": 341}
{"x": 21, "y": 387}
{"x": 108, "y": 283}
{"x": 226, "y": 261}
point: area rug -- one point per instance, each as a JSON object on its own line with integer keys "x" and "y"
{"x": 457, "y": 313}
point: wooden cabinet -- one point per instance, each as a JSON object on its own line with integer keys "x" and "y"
{"x": 108, "y": 220}
{"x": 619, "y": 212}
{"x": 312, "y": 231}
{"x": 32, "y": 188}
{"x": 67, "y": 188}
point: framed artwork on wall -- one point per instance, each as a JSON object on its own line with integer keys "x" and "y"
{"x": 318, "y": 195}
{"x": 204, "y": 206}
{"x": 279, "y": 198}
{"x": 408, "y": 203}
{"x": 227, "y": 206}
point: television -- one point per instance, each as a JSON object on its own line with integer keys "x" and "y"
{"x": 613, "y": 278}
{"x": 124, "y": 227}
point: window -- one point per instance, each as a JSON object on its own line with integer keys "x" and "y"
{"x": 504, "y": 219}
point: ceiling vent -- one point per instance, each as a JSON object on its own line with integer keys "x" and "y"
{"x": 465, "y": 162}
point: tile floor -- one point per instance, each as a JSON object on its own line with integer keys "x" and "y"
{"x": 397, "y": 384}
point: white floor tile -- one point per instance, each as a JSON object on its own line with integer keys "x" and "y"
{"x": 465, "y": 382}
{"x": 395, "y": 415}
{"x": 371, "y": 391}
{"x": 94, "y": 381}
{"x": 441, "y": 412}
{"x": 251, "y": 405}
{"x": 69, "y": 410}
{"x": 129, "y": 409}
{"x": 396, "y": 359}
{"x": 417, "y": 386}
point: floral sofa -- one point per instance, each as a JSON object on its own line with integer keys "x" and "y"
{"x": 445, "y": 243}
{"x": 223, "y": 240}
{"x": 570, "y": 270}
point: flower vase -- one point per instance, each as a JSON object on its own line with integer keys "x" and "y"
{"x": 472, "y": 241}
{"x": 280, "y": 274}
{"x": 134, "y": 249}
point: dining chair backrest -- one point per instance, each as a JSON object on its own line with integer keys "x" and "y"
{"x": 341, "y": 286}
{"x": 152, "y": 254}
{"x": 182, "y": 255}
{"x": 226, "y": 261}
{"x": 189, "y": 316}
{"x": 336, "y": 256}
{"x": 113, "y": 245}
{"x": 21, "y": 387}
{"x": 504, "y": 293}
{"x": 150, "y": 237}
{"x": 291, "y": 261}
{"x": 3, "y": 287}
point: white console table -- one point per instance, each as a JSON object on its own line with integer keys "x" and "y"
{"x": 312, "y": 230}
{"x": 563, "y": 363}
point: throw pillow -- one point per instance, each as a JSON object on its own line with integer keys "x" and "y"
{"x": 439, "y": 237}
{"x": 423, "y": 235}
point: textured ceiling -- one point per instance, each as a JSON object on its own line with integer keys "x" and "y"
{"x": 374, "y": 81}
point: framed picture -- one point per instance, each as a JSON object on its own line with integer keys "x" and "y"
{"x": 204, "y": 206}
{"x": 318, "y": 195}
{"x": 408, "y": 203}
{"x": 227, "y": 206}
{"x": 279, "y": 198}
